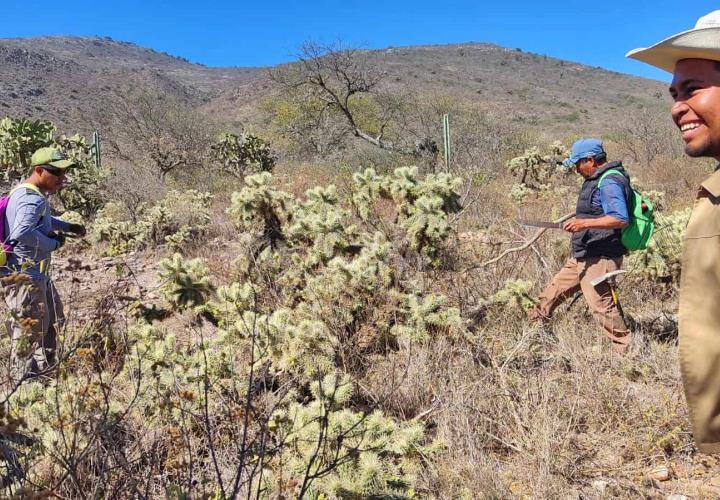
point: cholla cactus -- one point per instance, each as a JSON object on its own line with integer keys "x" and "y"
{"x": 177, "y": 219}
{"x": 375, "y": 455}
{"x": 261, "y": 207}
{"x": 516, "y": 294}
{"x": 520, "y": 192}
{"x": 321, "y": 223}
{"x": 534, "y": 169}
{"x": 346, "y": 286}
{"x": 424, "y": 315}
{"x": 185, "y": 282}
{"x": 243, "y": 154}
{"x": 423, "y": 205}
{"x": 367, "y": 189}
{"x": 661, "y": 261}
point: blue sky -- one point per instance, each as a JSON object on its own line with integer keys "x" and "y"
{"x": 260, "y": 33}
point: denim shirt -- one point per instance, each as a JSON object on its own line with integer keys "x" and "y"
{"x": 611, "y": 197}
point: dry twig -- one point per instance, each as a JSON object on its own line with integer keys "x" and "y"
{"x": 522, "y": 247}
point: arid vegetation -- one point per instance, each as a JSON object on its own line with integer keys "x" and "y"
{"x": 316, "y": 306}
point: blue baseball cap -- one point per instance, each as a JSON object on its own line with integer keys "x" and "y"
{"x": 583, "y": 148}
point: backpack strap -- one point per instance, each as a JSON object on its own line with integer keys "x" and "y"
{"x": 612, "y": 171}
{"x": 31, "y": 187}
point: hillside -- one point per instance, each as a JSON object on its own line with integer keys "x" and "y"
{"x": 61, "y": 78}
{"x": 349, "y": 321}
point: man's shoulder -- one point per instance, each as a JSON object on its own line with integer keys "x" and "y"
{"x": 23, "y": 194}
{"x": 612, "y": 178}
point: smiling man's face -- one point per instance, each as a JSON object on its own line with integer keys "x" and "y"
{"x": 696, "y": 91}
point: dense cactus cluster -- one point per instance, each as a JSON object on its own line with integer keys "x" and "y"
{"x": 177, "y": 219}
{"x": 422, "y": 206}
{"x": 272, "y": 354}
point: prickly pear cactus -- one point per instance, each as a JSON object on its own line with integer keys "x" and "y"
{"x": 86, "y": 193}
{"x": 243, "y": 154}
{"x": 19, "y": 139}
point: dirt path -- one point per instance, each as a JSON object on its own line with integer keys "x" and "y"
{"x": 86, "y": 283}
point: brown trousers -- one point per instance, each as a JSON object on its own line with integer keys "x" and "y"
{"x": 576, "y": 275}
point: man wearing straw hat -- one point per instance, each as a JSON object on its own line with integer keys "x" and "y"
{"x": 693, "y": 57}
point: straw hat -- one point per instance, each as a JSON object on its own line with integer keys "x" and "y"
{"x": 701, "y": 42}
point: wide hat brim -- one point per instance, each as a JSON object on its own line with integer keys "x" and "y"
{"x": 702, "y": 43}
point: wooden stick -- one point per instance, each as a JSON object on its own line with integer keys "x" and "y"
{"x": 522, "y": 247}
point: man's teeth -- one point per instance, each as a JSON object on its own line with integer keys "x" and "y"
{"x": 689, "y": 126}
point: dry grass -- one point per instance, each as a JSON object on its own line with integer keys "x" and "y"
{"x": 524, "y": 410}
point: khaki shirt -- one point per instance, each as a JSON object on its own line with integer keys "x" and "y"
{"x": 699, "y": 316}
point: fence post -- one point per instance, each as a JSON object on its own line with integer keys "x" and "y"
{"x": 446, "y": 140}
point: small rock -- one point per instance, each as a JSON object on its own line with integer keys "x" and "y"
{"x": 676, "y": 496}
{"x": 660, "y": 473}
{"x": 600, "y": 486}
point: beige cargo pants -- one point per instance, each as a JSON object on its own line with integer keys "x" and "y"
{"x": 35, "y": 310}
{"x": 576, "y": 275}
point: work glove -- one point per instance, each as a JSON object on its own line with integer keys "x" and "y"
{"x": 78, "y": 229}
{"x": 59, "y": 237}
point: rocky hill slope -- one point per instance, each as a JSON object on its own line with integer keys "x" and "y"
{"x": 62, "y": 78}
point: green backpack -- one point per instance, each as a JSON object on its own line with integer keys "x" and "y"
{"x": 637, "y": 235}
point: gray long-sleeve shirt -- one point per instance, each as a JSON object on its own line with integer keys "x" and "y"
{"x": 27, "y": 224}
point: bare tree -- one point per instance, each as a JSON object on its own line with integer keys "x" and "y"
{"x": 645, "y": 135}
{"x": 337, "y": 76}
{"x": 150, "y": 128}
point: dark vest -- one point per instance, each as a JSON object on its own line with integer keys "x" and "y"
{"x": 598, "y": 242}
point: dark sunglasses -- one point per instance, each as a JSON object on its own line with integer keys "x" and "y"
{"x": 57, "y": 172}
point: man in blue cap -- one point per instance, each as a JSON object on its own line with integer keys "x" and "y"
{"x": 600, "y": 215}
